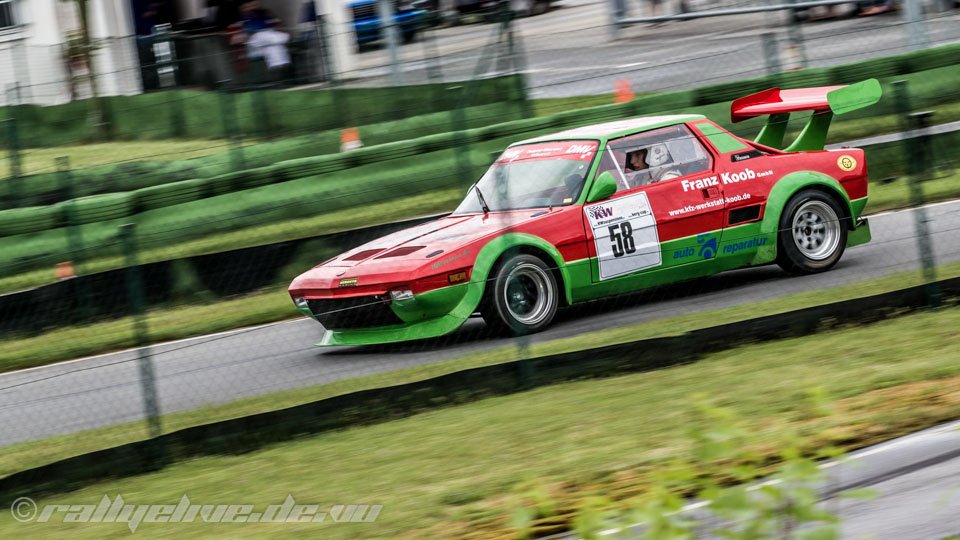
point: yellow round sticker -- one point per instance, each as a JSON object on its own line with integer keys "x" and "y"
{"x": 846, "y": 163}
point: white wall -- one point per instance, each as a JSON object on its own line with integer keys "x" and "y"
{"x": 33, "y": 56}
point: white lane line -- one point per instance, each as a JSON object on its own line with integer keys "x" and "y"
{"x": 155, "y": 345}
{"x": 634, "y": 64}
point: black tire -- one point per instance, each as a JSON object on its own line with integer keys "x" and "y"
{"x": 521, "y": 296}
{"x": 813, "y": 233}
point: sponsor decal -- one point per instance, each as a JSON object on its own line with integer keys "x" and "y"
{"x": 708, "y": 246}
{"x": 742, "y": 176}
{"x": 625, "y": 235}
{"x": 570, "y": 150}
{"x": 600, "y": 212}
{"x": 743, "y": 156}
{"x": 744, "y": 245}
{"x": 846, "y": 163}
{"x": 708, "y": 204}
{"x": 459, "y": 277}
{"x": 348, "y": 282}
{"x": 690, "y": 185}
{"x": 438, "y": 264}
{"x": 581, "y": 148}
{"x": 707, "y": 250}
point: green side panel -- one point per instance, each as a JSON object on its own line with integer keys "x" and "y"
{"x": 747, "y": 245}
{"x": 499, "y": 245}
{"x": 781, "y": 192}
{"x": 581, "y": 277}
{"x": 681, "y": 259}
{"x": 860, "y": 235}
{"x": 430, "y": 314}
{"x": 721, "y": 140}
{"x": 857, "y": 206}
{"x": 441, "y": 311}
{"x": 691, "y": 249}
{"x": 774, "y": 130}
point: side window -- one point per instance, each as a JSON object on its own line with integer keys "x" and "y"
{"x": 657, "y": 156}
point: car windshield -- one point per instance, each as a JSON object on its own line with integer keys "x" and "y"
{"x": 533, "y": 176}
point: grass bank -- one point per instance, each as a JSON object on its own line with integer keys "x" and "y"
{"x": 454, "y": 472}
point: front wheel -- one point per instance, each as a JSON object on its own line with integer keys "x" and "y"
{"x": 813, "y": 233}
{"x": 521, "y": 297}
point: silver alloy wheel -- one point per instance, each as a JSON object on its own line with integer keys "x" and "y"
{"x": 528, "y": 293}
{"x": 816, "y": 230}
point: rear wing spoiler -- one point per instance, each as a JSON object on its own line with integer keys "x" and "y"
{"x": 824, "y": 102}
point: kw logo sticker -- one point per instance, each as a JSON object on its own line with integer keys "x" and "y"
{"x": 600, "y": 212}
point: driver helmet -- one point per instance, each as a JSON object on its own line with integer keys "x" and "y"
{"x": 658, "y": 155}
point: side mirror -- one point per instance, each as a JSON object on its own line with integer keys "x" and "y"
{"x": 604, "y": 186}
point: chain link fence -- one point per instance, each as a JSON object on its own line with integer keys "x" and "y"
{"x": 151, "y": 287}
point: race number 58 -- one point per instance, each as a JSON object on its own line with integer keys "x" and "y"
{"x": 622, "y": 237}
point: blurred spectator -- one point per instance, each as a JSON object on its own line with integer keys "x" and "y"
{"x": 270, "y": 44}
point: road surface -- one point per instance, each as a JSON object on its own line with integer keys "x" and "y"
{"x": 105, "y": 390}
{"x": 570, "y": 51}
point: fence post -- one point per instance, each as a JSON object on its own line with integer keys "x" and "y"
{"x": 771, "y": 53}
{"x": 13, "y": 146}
{"x": 617, "y": 11}
{"x": 918, "y": 157}
{"x": 796, "y": 48}
{"x": 388, "y": 26}
{"x": 262, "y": 114}
{"x": 519, "y": 66}
{"x": 177, "y": 122}
{"x": 913, "y": 16}
{"x": 135, "y": 299}
{"x": 461, "y": 148}
{"x": 74, "y": 236}
{"x": 231, "y": 132}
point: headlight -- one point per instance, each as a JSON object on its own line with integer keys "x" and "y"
{"x": 301, "y": 302}
{"x": 401, "y": 295}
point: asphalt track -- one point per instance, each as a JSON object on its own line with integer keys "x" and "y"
{"x": 570, "y": 50}
{"x": 105, "y": 390}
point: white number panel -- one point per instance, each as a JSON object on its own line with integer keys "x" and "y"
{"x": 625, "y": 233}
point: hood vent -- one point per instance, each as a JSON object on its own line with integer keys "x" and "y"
{"x": 365, "y": 254}
{"x": 400, "y": 252}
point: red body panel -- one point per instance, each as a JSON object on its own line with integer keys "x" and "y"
{"x": 777, "y": 101}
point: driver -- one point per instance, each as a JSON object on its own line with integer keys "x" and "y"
{"x": 661, "y": 164}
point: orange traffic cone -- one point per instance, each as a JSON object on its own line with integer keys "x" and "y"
{"x": 350, "y": 139}
{"x": 622, "y": 92}
{"x": 64, "y": 270}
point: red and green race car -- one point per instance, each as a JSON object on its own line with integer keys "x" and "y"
{"x": 604, "y": 210}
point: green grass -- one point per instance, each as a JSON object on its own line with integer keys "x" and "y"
{"x": 42, "y": 160}
{"x": 118, "y": 334}
{"x": 450, "y": 472}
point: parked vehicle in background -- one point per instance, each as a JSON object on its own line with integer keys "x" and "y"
{"x": 452, "y": 11}
{"x": 367, "y": 24}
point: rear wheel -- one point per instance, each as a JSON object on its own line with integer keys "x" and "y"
{"x": 521, "y": 296}
{"x": 813, "y": 233}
